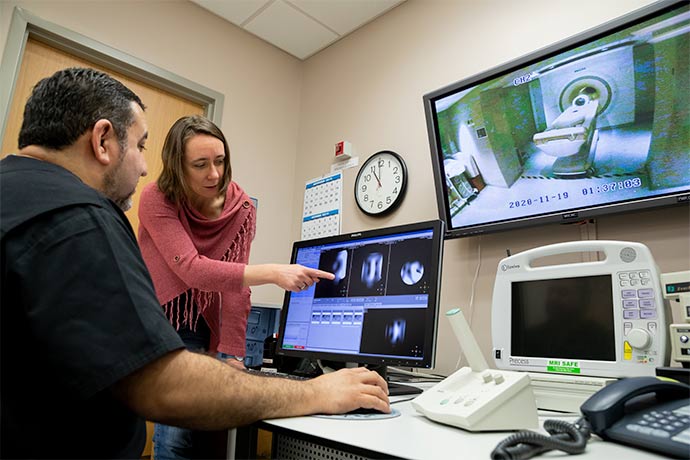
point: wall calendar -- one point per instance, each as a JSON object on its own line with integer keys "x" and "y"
{"x": 322, "y": 206}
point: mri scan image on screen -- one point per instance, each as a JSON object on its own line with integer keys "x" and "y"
{"x": 381, "y": 308}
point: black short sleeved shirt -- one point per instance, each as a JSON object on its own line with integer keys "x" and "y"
{"x": 78, "y": 314}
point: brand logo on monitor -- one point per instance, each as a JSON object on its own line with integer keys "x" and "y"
{"x": 506, "y": 267}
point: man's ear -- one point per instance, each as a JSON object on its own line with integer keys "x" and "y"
{"x": 103, "y": 141}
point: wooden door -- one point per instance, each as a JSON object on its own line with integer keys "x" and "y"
{"x": 162, "y": 108}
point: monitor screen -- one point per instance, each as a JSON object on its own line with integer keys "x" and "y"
{"x": 382, "y": 306}
{"x": 550, "y": 317}
{"x": 593, "y": 125}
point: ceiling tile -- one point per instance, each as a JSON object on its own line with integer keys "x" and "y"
{"x": 344, "y": 16}
{"x": 235, "y": 11}
{"x": 290, "y": 30}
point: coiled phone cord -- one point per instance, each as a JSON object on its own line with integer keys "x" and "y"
{"x": 568, "y": 437}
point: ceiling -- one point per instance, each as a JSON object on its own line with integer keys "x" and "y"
{"x": 299, "y": 27}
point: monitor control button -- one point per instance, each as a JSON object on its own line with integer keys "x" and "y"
{"x": 639, "y": 338}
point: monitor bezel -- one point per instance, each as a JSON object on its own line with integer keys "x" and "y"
{"x": 568, "y": 215}
{"x": 429, "y": 359}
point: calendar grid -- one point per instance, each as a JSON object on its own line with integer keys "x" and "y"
{"x": 322, "y": 206}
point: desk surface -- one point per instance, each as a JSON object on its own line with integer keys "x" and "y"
{"x": 414, "y": 436}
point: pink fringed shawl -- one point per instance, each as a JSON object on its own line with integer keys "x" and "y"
{"x": 187, "y": 251}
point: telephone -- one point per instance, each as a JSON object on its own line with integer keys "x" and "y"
{"x": 643, "y": 412}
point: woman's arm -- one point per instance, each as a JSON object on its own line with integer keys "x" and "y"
{"x": 292, "y": 277}
{"x": 158, "y": 217}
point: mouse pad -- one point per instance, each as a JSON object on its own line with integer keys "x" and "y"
{"x": 376, "y": 416}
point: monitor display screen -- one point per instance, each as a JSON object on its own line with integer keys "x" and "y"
{"x": 564, "y": 318}
{"x": 596, "y": 124}
{"x": 381, "y": 308}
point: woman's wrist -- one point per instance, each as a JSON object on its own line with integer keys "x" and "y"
{"x": 255, "y": 275}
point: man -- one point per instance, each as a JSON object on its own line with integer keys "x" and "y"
{"x": 86, "y": 351}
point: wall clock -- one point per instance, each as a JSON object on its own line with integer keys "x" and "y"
{"x": 381, "y": 183}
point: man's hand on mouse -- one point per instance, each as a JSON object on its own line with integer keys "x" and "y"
{"x": 349, "y": 389}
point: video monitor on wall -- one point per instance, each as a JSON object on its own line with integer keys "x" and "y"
{"x": 596, "y": 124}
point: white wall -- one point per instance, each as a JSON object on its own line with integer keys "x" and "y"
{"x": 261, "y": 85}
{"x": 368, "y": 89}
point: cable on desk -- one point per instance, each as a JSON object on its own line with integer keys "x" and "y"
{"x": 402, "y": 375}
{"x": 568, "y": 437}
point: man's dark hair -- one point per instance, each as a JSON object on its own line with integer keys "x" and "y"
{"x": 67, "y": 104}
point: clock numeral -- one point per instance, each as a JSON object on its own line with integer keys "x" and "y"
{"x": 367, "y": 177}
{"x": 366, "y": 198}
{"x": 397, "y": 179}
{"x": 388, "y": 200}
{"x": 364, "y": 187}
{"x": 380, "y": 205}
{"x": 395, "y": 190}
{"x": 395, "y": 170}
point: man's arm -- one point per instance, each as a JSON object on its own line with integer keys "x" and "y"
{"x": 196, "y": 391}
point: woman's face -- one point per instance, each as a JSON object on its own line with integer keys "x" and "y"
{"x": 204, "y": 165}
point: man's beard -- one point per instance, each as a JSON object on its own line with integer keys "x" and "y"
{"x": 110, "y": 182}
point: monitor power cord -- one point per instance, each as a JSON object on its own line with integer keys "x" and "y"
{"x": 568, "y": 437}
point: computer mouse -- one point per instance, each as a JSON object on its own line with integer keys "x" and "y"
{"x": 363, "y": 410}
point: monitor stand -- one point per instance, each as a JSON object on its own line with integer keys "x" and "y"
{"x": 394, "y": 389}
{"x": 397, "y": 389}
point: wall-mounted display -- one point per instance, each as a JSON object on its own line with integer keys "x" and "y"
{"x": 596, "y": 124}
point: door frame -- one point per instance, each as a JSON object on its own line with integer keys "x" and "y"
{"x": 25, "y": 25}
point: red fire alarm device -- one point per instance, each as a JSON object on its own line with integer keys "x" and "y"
{"x": 343, "y": 150}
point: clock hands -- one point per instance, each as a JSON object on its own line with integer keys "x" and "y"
{"x": 377, "y": 177}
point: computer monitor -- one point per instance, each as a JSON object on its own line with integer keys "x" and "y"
{"x": 380, "y": 310}
{"x": 594, "y": 125}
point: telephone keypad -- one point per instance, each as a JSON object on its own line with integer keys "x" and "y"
{"x": 663, "y": 424}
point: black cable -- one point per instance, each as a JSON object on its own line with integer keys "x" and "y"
{"x": 568, "y": 437}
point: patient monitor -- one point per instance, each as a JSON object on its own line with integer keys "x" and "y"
{"x": 602, "y": 319}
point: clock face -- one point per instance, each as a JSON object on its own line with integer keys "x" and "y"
{"x": 381, "y": 182}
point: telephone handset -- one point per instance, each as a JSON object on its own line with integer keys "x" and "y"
{"x": 645, "y": 412}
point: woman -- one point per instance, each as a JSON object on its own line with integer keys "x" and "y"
{"x": 195, "y": 232}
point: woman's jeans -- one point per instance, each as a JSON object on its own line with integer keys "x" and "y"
{"x": 170, "y": 442}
